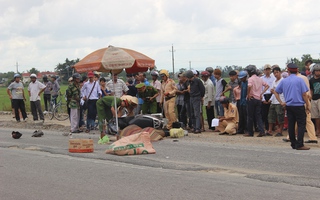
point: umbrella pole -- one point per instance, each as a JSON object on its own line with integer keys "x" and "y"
{"x": 115, "y": 102}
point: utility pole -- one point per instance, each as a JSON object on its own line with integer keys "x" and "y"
{"x": 17, "y": 67}
{"x": 172, "y": 51}
{"x": 190, "y": 65}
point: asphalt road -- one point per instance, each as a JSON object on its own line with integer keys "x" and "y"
{"x": 42, "y": 168}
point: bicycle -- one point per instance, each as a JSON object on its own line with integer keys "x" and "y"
{"x": 58, "y": 108}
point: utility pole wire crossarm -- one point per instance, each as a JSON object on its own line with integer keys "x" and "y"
{"x": 172, "y": 52}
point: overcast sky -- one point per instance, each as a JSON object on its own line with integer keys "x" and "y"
{"x": 43, "y": 33}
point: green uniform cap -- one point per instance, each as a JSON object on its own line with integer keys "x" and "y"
{"x": 140, "y": 85}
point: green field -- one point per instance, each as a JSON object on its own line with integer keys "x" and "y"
{"x": 5, "y": 104}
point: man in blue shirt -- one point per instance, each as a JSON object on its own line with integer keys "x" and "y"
{"x": 212, "y": 78}
{"x": 295, "y": 94}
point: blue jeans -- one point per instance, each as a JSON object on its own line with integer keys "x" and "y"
{"x": 219, "y": 108}
{"x": 195, "y": 104}
{"x": 92, "y": 113}
{"x": 254, "y": 112}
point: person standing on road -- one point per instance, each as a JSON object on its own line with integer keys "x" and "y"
{"x": 296, "y": 95}
{"x": 35, "y": 89}
{"x": 211, "y": 76}
{"x": 308, "y": 70}
{"x": 180, "y": 99}
{"x": 16, "y": 93}
{"x": 197, "y": 91}
{"x": 74, "y": 102}
{"x": 234, "y": 82}
{"x": 156, "y": 84}
{"x": 309, "y": 124}
{"x": 55, "y": 88}
{"x": 220, "y": 86}
{"x": 91, "y": 92}
{"x": 276, "y": 111}
{"x": 46, "y": 93}
{"x": 266, "y": 102}
{"x": 168, "y": 97}
{"x": 104, "y": 89}
{"x": 131, "y": 85}
{"x": 148, "y": 94}
{"x": 208, "y": 99}
{"x": 142, "y": 79}
{"x": 186, "y": 109}
{"x": 242, "y": 126}
{"x": 254, "y": 96}
{"x": 117, "y": 86}
{"x": 314, "y": 84}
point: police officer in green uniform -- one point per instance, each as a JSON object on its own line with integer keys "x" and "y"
{"x": 106, "y": 111}
{"x": 148, "y": 94}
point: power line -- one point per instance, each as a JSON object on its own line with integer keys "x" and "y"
{"x": 253, "y": 39}
{"x": 228, "y": 48}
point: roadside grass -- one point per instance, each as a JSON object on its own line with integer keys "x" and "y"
{"x": 5, "y": 103}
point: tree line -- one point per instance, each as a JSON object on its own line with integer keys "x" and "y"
{"x": 65, "y": 69}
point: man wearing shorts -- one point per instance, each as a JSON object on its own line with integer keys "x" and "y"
{"x": 315, "y": 93}
{"x": 276, "y": 111}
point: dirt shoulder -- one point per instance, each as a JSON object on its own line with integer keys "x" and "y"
{"x": 7, "y": 121}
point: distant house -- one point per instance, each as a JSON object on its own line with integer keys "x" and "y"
{"x": 40, "y": 75}
{"x": 48, "y": 74}
{"x": 25, "y": 77}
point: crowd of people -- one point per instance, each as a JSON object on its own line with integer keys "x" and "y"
{"x": 35, "y": 88}
{"x": 253, "y": 100}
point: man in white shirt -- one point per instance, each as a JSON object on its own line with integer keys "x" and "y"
{"x": 276, "y": 110}
{"x": 265, "y": 105}
{"x": 156, "y": 84}
{"x": 117, "y": 86}
{"x": 35, "y": 89}
{"x": 208, "y": 99}
{"x": 91, "y": 92}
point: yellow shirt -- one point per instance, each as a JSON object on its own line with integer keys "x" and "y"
{"x": 168, "y": 86}
{"x": 306, "y": 80}
{"x": 232, "y": 111}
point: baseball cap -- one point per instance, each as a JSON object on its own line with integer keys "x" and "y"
{"x": 90, "y": 74}
{"x": 205, "y": 73}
